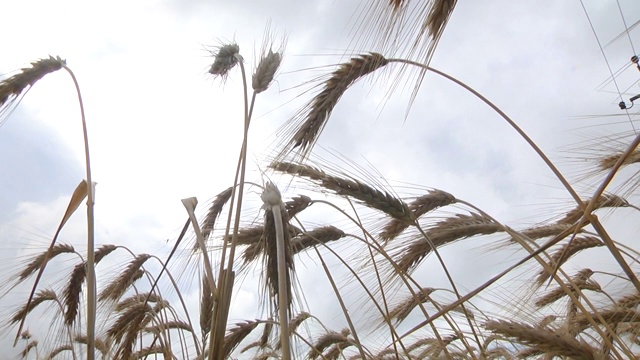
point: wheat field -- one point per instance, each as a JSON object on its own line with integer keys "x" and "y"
{"x": 511, "y": 251}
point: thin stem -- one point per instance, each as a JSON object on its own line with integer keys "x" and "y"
{"x": 283, "y": 298}
{"x": 226, "y": 275}
{"x": 91, "y": 274}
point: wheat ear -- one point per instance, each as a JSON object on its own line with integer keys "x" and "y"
{"x": 11, "y": 88}
{"x": 544, "y": 340}
{"x": 367, "y": 195}
{"x": 317, "y": 112}
{"x": 420, "y": 206}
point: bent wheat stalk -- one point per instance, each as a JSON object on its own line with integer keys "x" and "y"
{"x": 273, "y": 202}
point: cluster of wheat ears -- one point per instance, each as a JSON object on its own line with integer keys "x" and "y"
{"x": 129, "y": 316}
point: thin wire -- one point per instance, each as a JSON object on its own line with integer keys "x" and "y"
{"x": 626, "y": 28}
{"x": 607, "y": 62}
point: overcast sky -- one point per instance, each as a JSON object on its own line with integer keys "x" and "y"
{"x": 162, "y": 129}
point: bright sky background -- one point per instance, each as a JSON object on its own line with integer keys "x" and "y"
{"x": 162, "y": 129}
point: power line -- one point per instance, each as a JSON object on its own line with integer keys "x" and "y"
{"x": 626, "y": 28}
{"x": 607, "y": 62}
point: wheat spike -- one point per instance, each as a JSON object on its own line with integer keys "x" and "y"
{"x": 297, "y": 205}
{"x": 326, "y": 340}
{"x": 604, "y": 201}
{"x": 214, "y": 211}
{"x": 236, "y": 334}
{"x": 367, "y": 195}
{"x": 168, "y": 325}
{"x": 404, "y": 308}
{"x": 226, "y": 58}
{"x": 612, "y": 318}
{"x": 266, "y": 70}
{"x": 629, "y": 301}
{"x": 41, "y": 297}
{"x": 543, "y": 231}
{"x": 542, "y": 339}
{"x": 151, "y": 350}
{"x": 608, "y": 162}
{"x": 561, "y": 255}
{"x": 118, "y": 286}
{"x": 443, "y": 232}
{"x": 206, "y": 306}
{"x": 37, "y": 261}
{"x": 317, "y": 112}
{"x": 580, "y": 279}
{"x": 55, "y": 352}
{"x": 30, "y": 346}
{"x": 73, "y": 289}
{"x": 420, "y": 206}
{"x": 11, "y": 88}
{"x": 321, "y": 235}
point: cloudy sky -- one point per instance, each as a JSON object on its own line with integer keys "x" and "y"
{"x": 162, "y": 129}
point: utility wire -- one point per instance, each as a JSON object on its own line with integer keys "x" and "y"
{"x": 607, "y": 62}
{"x": 626, "y": 28}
